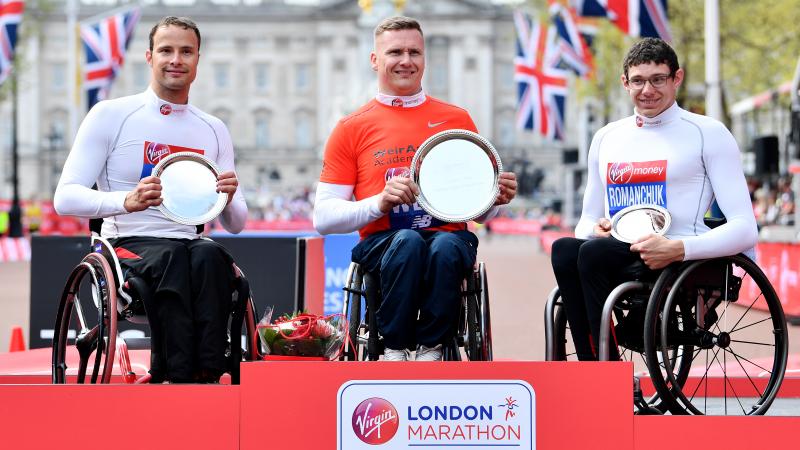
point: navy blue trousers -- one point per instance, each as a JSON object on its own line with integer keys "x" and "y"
{"x": 421, "y": 273}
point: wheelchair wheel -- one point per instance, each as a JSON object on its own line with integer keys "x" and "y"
{"x": 563, "y": 349}
{"x": 730, "y": 321}
{"x": 479, "y": 327}
{"x": 90, "y": 286}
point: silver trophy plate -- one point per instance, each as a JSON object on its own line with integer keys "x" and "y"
{"x": 457, "y": 172}
{"x": 189, "y": 188}
{"x": 637, "y": 221}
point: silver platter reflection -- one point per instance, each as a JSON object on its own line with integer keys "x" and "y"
{"x": 457, "y": 172}
{"x": 189, "y": 188}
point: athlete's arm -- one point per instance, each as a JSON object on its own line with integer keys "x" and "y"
{"x": 589, "y": 226}
{"x": 74, "y": 195}
{"x": 234, "y": 215}
{"x": 336, "y": 212}
{"x": 723, "y": 165}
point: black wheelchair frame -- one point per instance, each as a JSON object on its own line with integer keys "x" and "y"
{"x": 685, "y": 314}
{"x": 472, "y": 332}
{"x": 117, "y": 298}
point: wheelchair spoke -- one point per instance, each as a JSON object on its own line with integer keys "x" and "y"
{"x": 753, "y": 343}
{"x": 724, "y": 366}
{"x": 754, "y": 323}
{"x": 751, "y": 362}
{"x": 705, "y": 375}
{"x": 747, "y": 374}
{"x": 747, "y": 310}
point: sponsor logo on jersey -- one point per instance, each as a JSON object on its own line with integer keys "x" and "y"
{"x": 393, "y": 156}
{"x": 156, "y": 151}
{"x": 397, "y": 102}
{"x": 636, "y": 183}
{"x": 166, "y": 109}
{"x": 408, "y": 216}
{"x": 639, "y": 121}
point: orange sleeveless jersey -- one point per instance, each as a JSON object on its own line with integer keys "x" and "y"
{"x": 377, "y": 142}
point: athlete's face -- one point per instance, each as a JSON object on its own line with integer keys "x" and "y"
{"x": 173, "y": 61}
{"x": 399, "y": 59}
{"x": 651, "y": 100}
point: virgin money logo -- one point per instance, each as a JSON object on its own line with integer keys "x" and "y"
{"x": 156, "y": 151}
{"x": 165, "y": 109}
{"x": 375, "y": 421}
{"x": 620, "y": 173}
{"x": 639, "y": 121}
{"x": 397, "y": 172}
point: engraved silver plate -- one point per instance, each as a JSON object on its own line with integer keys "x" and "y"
{"x": 457, "y": 172}
{"x": 189, "y": 188}
{"x": 637, "y": 221}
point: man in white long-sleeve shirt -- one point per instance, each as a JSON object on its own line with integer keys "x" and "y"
{"x": 116, "y": 148}
{"x": 662, "y": 155}
{"x": 421, "y": 260}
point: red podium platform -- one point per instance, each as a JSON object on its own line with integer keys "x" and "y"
{"x": 294, "y": 405}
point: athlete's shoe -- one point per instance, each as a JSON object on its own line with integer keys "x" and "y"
{"x": 390, "y": 354}
{"x": 429, "y": 353}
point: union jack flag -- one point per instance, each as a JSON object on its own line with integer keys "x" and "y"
{"x": 541, "y": 86}
{"x": 105, "y": 42}
{"x": 638, "y": 18}
{"x": 573, "y": 50}
{"x": 10, "y": 17}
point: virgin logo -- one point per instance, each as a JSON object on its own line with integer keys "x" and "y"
{"x": 621, "y": 172}
{"x": 156, "y": 151}
{"x": 375, "y": 421}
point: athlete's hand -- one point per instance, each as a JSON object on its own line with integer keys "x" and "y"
{"x": 657, "y": 251}
{"x": 602, "y": 228}
{"x": 146, "y": 194}
{"x": 227, "y": 183}
{"x": 508, "y": 188}
{"x": 399, "y": 190}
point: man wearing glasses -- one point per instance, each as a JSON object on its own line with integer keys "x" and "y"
{"x": 661, "y": 155}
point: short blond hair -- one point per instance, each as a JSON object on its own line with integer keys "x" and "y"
{"x": 397, "y": 23}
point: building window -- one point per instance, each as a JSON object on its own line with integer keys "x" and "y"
{"x": 224, "y": 115}
{"x": 438, "y": 59}
{"x": 262, "y": 77}
{"x": 302, "y": 131}
{"x": 58, "y": 77}
{"x": 221, "y": 76}
{"x": 302, "y": 75}
{"x": 262, "y": 131}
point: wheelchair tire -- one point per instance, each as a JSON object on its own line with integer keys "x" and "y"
{"x": 93, "y": 337}
{"x": 717, "y": 339}
{"x": 478, "y": 345}
{"x": 352, "y": 310}
{"x": 563, "y": 349}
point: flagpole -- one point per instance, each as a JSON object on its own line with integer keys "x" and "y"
{"x": 15, "y": 212}
{"x": 713, "y": 91}
{"x": 72, "y": 45}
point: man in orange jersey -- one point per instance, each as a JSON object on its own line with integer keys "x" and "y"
{"x": 421, "y": 260}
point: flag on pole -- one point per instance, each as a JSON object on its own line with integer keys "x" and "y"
{"x": 541, "y": 86}
{"x": 105, "y": 42}
{"x": 638, "y": 18}
{"x": 10, "y": 18}
{"x": 573, "y": 50}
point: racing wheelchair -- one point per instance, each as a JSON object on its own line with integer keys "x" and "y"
{"x": 472, "y": 332}
{"x": 97, "y": 282}
{"x": 710, "y": 334}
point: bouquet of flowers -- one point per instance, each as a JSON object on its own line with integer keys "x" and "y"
{"x": 303, "y": 334}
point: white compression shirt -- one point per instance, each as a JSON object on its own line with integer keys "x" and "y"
{"x": 118, "y": 144}
{"x": 680, "y": 161}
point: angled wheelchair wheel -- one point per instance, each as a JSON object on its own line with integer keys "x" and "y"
{"x": 563, "y": 350}
{"x": 727, "y": 316}
{"x": 478, "y": 345}
{"x": 86, "y": 324}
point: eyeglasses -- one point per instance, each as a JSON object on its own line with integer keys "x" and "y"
{"x": 656, "y": 81}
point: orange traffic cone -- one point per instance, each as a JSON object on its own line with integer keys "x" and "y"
{"x": 17, "y": 340}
